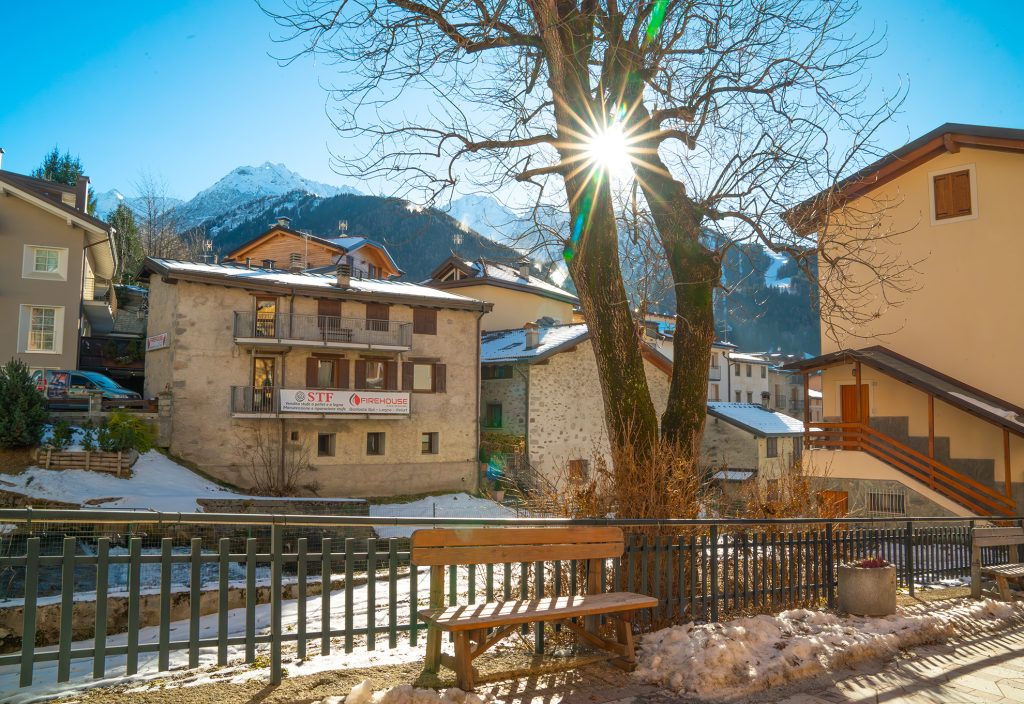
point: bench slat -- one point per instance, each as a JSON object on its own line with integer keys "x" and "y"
{"x": 423, "y": 557}
{"x": 995, "y": 541}
{"x": 987, "y": 532}
{"x": 480, "y": 537}
{"x": 466, "y": 618}
{"x": 1008, "y": 570}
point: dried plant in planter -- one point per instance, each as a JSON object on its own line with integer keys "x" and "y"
{"x": 871, "y": 563}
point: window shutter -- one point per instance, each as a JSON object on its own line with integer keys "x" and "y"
{"x": 424, "y": 321}
{"x": 391, "y": 375}
{"x": 360, "y": 373}
{"x": 943, "y": 196}
{"x": 341, "y": 372}
{"x": 440, "y": 378}
{"x": 325, "y": 307}
{"x": 407, "y": 370}
{"x": 311, "y": 372}
{"x": 377, "y": 311}
{"x": 961, "y": 189}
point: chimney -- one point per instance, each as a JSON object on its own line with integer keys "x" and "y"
{"x": 343, "y": 275}
{"x": 82, "y": 194}
{"x": 343, "y": 227}
{"x": 1, "y": 158}
{"x": 532, "y": 336}
{"x": 283, "y": 221}
{"x": 524, "y": 269}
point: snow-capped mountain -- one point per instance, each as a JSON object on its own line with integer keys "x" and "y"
{"x": 108, "y": 201}
{"x": 491, "y": 219}
{"x": 247, "y": 183}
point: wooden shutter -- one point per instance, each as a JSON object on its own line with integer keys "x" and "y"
{"x": 440, "y": 378}
{"x": 961, "y": 188}
{"x": 341, "y": 372}
{"x": 407, "y": 375}
{"x": 311, "y": 372}
{"x": 377, "y": 311}
{"x": 943, "y": 196}
{"x": 325, "y": 307}
{"x": 952, "y": 195}
{"x": 424, "y": 321}
{"x": 360, "y": 373}
{"x": 391, "y": 376}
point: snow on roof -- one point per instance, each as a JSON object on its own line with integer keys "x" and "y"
{"x": 732, "y": 475}
{"x": 813, "y": 393}
{"x": 747, "y": 357}
{"x": 510, "y": 345}
{"x": 241, "y": 275}
{"x": 755, "y": 418}
{"x": 509, "y": 274}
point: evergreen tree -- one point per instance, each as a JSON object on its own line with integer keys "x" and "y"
{"x": 127, "y": 242}
{"x": 24, "y": 414}
{"x": 63, "y": 168}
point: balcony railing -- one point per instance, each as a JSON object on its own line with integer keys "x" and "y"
{"x": 321, "y": 330}
{"x": 255, "y": 400}
{"x": 714, "y": 373}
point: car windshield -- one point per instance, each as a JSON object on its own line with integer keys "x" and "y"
{"x": 103, "y": 381}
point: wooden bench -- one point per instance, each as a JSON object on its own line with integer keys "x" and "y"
{"x": 995, "y": 537}
{"x": 477, "y": 627}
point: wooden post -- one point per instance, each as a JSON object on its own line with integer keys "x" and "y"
{"x": 807, "y": 410}
{"x": 1006, "y": 463}
{"x": 433, "y": 633}
{"x": 931, "y": 426}
{"x": 856, "y": 372}
{"x": 594, "y": 586}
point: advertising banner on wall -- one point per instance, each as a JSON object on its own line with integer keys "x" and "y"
{"x": 340, "y": 401}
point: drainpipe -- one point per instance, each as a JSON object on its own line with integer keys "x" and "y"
{"x": 479, "y": 392}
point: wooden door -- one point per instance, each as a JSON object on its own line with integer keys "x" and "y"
{"x": 850, "y": 412}
{"x": 834, "y": 504}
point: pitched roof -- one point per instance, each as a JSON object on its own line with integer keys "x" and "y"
{"x": 342, "y": 245}
{"x": 486, "y": 271}
{"x": 46, "y": 194}
{"x": 805, "y": 217}
{"x": 322, "y": 285}
{"x": 510, "y": 345}
{"x": 953, "y": 391}
{"x": 756, "y": 419}
{"x": 747, "y": 357}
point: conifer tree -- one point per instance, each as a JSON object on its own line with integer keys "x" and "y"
{"x": 24, "y": 414}
{"x": 127, "y": 242}
{"x": 63, "y": 168}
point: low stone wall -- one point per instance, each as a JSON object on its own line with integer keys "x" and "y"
{"x": 84, "y": 612}
{"x": 12, "y": 499}
{"x": 301, "y": 507}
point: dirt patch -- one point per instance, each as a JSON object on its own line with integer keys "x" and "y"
{"x": 14, "y": 460}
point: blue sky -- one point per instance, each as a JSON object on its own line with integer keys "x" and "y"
{"x": 188, "y": 91}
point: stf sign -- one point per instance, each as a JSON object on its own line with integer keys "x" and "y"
{"x": 338, "y": 401}
{"x": 156, "y": 342}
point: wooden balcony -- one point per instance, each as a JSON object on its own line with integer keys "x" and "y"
{"x": 322, "y": 331}
{"x": 958, "y": 487}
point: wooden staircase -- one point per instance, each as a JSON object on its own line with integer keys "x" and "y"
{"x": 955, "y": 485}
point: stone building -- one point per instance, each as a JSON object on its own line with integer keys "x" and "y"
{"x": 360, "y": 387}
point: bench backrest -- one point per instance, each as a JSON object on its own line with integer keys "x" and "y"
{"x": 992, "y": 537}
{"x": 481, "y": 546}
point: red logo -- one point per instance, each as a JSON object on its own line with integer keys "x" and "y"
{"x": 355, "y": 400}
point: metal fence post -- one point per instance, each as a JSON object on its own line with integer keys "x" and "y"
{"x": 714, "y": 572}
{"x": 909, "y": 556}
{"x": 830, "y": 568}
{"x": 28, "y": 628}
{"x": 276, "y": 558}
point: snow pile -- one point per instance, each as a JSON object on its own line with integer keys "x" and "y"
{"x": 363, "y": 693}
{"x": 755, "y": 653}
{"x": 157, "y": 483}
{"x": 444, "y": 506}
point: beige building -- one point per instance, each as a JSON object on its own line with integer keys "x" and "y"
{"x": 518, "y": 296}
{"x": 658, "y": 334}
{"x": 56, "y": 264}
{"x": 747, "y": 378}
{"x": 284, "y": 248}
{"x": 376, "y": 381}
{"x": 911, "y": 401}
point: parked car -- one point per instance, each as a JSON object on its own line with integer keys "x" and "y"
{"x": 73, "y": 386}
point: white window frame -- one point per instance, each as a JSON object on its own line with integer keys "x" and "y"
{"x": 974, "y": 194}
{"x": 25, "y": 329}
{"x": 28, "y": 264}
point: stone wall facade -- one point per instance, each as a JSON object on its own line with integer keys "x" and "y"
{"x": 203, "y": 362}
{"x": 511, "y": 394}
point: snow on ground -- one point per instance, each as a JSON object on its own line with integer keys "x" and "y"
{"x": 157, "y": 483}
{"x": 747, "y": 655}
{"x": 363, "y": 693}
{"x": 446, "y": 506}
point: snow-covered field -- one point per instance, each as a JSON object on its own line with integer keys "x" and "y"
{"x": 748, "y": 655}
{"x": 444, "y": 506}
{"x": 362, "y": 693}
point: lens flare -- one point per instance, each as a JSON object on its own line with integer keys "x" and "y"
{"x": 609, "y": 149}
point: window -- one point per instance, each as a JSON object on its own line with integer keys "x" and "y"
{"x": 714, "y": 392}
{"x": 764, "y": 372}
{"x": 42, "y": 331}
{"x": 44, "y": 263}
{"x": 496, "y": 371}
{"x": 377, "y": 316}
{"x": 952, "y": 193}
{"x": 579, "y": 470}
{"x": 268, "y": 263}
{"x": 428, "y": 443}
{"x": 890, "y": 504}
{"x": 295, "y": 436}
{"x": 325, "y": 373}
{"x": 325, "y": 444}
{"x": 750, "y": 397}
{"x": 375, "y": 443}
{"x": 773, "y": 447}
{"x": 376, "y": 374}
{"x": 739, "y": 396}
{"x": 493, "y": 417}
{"x": 714, "y": 361}
{"x": 46, "y": 260}
{"x": 422, "y": 377}
{"x": 424, "y": 321}
{"x": 737, "y": 368}
{"x": 748, "y": 370}
{"x": 266, "y": 316}
{"x": 798, "y": 448}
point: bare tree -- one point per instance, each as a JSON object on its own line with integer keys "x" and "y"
{"x": 158, "y": 222}
{"x": 276, "y": 466}
{"x": 731, "y": 111}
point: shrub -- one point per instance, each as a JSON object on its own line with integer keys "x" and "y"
{"x": 24, "y": 409}
{"x": 61, "y": 436}
{"x": 123, "y": 432}
{"x": 872, "y": 563}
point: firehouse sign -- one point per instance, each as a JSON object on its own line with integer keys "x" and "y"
{"x": 339, "y": 401}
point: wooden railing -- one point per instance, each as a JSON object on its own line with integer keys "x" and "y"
{"x": 954, "y": 485}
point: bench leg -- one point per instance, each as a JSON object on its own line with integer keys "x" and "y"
{"x": 624, "y": 635}
{"x": 463, "y": 662}
{"x": 433, "y": 663}
{"x": 1004, "y": 588}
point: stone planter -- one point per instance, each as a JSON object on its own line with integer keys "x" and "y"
{"x": 867, "y": 591}
{"x": 499, "y": 495}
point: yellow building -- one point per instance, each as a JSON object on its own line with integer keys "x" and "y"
{"x": 919, "y": 416}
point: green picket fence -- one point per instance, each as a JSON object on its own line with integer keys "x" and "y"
{"x": 698, "y": 570}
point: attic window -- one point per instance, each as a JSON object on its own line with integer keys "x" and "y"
{"x": 295, "y": 259}
{"x": 953, "y": 195}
